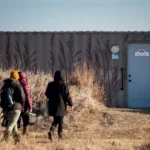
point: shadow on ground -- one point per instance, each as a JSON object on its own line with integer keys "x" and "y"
{"x": 142, "y": 111}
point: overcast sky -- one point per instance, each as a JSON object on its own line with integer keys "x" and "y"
{"x": 74, "y": 15}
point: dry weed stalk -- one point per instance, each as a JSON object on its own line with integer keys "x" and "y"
{"x": 82, "y": 77}
{"x": 90, "y": 126}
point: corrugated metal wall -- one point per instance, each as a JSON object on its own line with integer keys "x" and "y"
{"x": 50, "y": 51}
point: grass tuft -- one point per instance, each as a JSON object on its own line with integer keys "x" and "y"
{"x": 90, "y": 126}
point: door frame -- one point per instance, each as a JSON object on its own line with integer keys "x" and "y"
{"x": 127, "y": 43}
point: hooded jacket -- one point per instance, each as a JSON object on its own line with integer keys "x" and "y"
{"x": 24, "y": 83}
{"x": 58, "y": 94}
{"x": 18, "y": 93}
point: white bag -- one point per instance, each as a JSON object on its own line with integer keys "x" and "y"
{"x": 46, "y": 112}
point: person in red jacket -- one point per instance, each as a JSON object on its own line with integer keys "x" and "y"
{"x": 28, "y": 102}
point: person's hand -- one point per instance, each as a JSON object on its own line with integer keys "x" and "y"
{"x": 30, "y": 110}
{"x": 69, "y": 109}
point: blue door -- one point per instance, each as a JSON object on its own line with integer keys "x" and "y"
{"x": 139, "y": 75}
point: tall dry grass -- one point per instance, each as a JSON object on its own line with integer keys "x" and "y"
{"x": 90, "y": 126}
{"x": 81, "y": 86}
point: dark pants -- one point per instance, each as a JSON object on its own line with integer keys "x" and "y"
{"x": 25, "y": 123}
{"x": 58, "y": 120}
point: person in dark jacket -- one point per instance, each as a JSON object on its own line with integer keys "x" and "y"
{"x": 27, "y": 107}
{"x": 58, "y": 94}
{"x": 14, "y": 112}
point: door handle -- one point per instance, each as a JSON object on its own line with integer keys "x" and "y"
{"x": 122, "y": 79}
{"x": 130, "y": 80}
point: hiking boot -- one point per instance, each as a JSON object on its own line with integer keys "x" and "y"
{"x": 51, "y": 133}
{"x": 50, "y": 136}
{"x": 16, "y": 137}
{"x": 6, "y": 136}
{"x": 25, "y": 130}
{"x": 60, "y": 136}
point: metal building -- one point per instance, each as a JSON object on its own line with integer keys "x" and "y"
{"x": 119, "y": 60}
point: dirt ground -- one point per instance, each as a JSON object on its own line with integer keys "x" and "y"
{"x": 108, "y": 129}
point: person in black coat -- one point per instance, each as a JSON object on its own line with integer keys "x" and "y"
{"x": 58, "y": 94}
{"x": 13, "y": 112}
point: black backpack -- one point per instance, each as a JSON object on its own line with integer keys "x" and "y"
{"x": 6, "y": 95}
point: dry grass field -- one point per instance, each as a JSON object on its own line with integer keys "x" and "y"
{"x": 90, "y": 126}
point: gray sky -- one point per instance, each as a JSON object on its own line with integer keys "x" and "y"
{"x": 75, "y": 15}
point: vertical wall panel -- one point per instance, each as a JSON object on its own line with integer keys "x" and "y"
{"x": 53, "y": 49}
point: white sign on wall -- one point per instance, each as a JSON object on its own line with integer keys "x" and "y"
{"x": 115, "y": 56}
{"x": 141, "y": 52}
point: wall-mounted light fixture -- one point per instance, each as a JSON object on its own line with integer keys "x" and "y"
{"x": 115, "y": 49}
